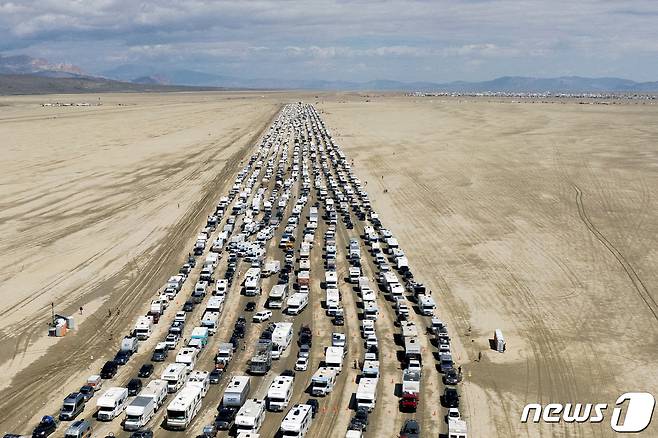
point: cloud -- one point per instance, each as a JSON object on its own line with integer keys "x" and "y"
{"x": 361, "y": 39}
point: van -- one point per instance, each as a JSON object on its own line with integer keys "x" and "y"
{"x": 73, "y": 404}
{"x": 79, "y": 429}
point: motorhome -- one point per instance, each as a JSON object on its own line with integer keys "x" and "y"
{"x": 297, "y": 421}
{"x": 355, "y": 273}
{"x": 277, "y": 295}
{"x": 250, "y": 416}
{"x": 215, "y": 304}
{"x": 281, "y": 337}
{"x": 296, "y": 303}
{"x": 323, "y": 381}
{"x": 236, "y": 391}
{"x": 333, "y": 357}
{"x": 139, "y": 412}
{"x": 370, "y": 310}
{"x": 175, "y": 375}
{"x": 143, "y": 328}
{"x": 252, "y": 282}
{"x": 366, "y": 393}
{"x": 279, "y": 393}
{"x": 221, "y": 287}
{"x": 332, "y": 301}
{"x": 426, "y": 305}
{"x": 200, "y": 379}
{"x": 112, "y": 403}
{"x": 184, "y": 407}
{"x": 187, "y": 356}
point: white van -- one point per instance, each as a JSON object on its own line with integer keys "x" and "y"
{"x": 112, "y": 403}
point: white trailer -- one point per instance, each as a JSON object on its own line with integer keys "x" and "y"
{"x": 184, "y": 407}
{"x": 282, "y": 336}
{"x": 333, "y": 357}
{"x": 112, "y": 403}
{"x": 271, "y": 267}
{"x": 175, "y": 375}
{"x": 187, "y": 356}
{"x": 297, "y": 421}
{"x": 332, "y": 301}
{"x": 236, "y": 391}
{"x": 277, "y": 295}
{"x": 296, "y": 303}
{"x": 157, "y": 389}
{"x": 366, "y": 393}
{"x": 250, "y": 416}
{"x": 331, "y": 279}
{"x": 370, "y": 368}
{"x": 200, "y": 379}
{"x": 279, "y": 393}
{"x": 323, "y": 381}
{"x": 210, "y": 320}
{"x": 215, "y": 304}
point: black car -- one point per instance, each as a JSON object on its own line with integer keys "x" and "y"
{"x": 315, "y": 406}
{"x": 46, "y": 427}
{"x": 410, "y": 429}
{"x": 451, "y": 377}
{"x": 188, "y": 306}
{"x": 134, "y": 386}
{"x": 191, "y": 260}
{"x": 289, "y": 373}
{"x": 250, "y": 307}
{"x": 361, "y": 417}
{"x": 235, "y": 340}
{"x": 146, "y": 370}
{"x": 338, "y": 320}
{"x": 215, "y": 376}
{"x": 225, "y": 418}
{"x": 450, "y": 398}
{"x": 239, "y": 331}
{"x": 87, "y": 392}
{"x": 121, "y": 357}
{"x": 142, "y": 433}
{"x": 109, "y": 369}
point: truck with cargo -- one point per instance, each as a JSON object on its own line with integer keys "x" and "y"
{"x": 111, "y": 403}
{"x": 236, "y": 392}
{"x": 410, "y": 389}
{"x": 224, "y": 354}
{"x": 457, "y": 428}
{"x": 279, "y": 393}
{"x": 250, "y": 416}
{"x": 412, "y": 349}
{"x": 303, "y": 278}
{"x": 332, "y": 301}
{"x": 277, "y": 295}
{"x": 184, "y": 407}
{"x": 261, "y": 361}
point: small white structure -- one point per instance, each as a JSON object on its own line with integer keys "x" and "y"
{"x": 499, "y": 341}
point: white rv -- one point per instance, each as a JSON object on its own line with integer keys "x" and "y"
{"x": 281, "y": 337}
{"x": 426, "y": 305}
{"x": 175, "y": 375}
{"x": 333, "y": 357}
{"x": 331, "y": 279}
{"x": 297, "y": 421}
{"x": 200, "y": 379}
{"x": 277, "y": 295}
{"x": 112, "y": 403}
{"x": 279, "y": 393}
{"x": 296, "y": 303}
{"x": 250, "y": 416}
{"x": 157, "y": 389}
{"x": 184, "y": 407}
{"x": 187, "y": 356}
{"x": 236, "y": 391}
{"x": 143, "y": 328}
{"x": 366, "y": 393}
{"x": 323, "y": 381}
{"x": 139, "y": 412}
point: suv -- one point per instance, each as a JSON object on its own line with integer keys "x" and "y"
{"x": 73, "y": 404}
{"x": 109, "y": 369}
{"x": 411, "y": 429}
{"x": 134, "y": 386}
{"x": 225, "y": 418}
{"x": 450, "y": 398}
{"x": 46, "y": 427}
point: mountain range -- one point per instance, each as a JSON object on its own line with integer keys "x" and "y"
{"x": 19, "y": 71}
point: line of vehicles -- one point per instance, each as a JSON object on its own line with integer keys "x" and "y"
{"x": 240, "y": 228}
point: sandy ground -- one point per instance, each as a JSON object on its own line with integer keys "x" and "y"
{"x": 99, "y": 205}
{"x": 538, "y": 219}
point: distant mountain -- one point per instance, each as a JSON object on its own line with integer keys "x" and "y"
{"x": 23, "y": 64}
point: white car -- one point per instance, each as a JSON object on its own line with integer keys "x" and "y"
{"x": 221, "y": 287}
{"x": 371, "y": 341}
{"x": 180, "y": 316}
{"x": 453, "y": 413}
{"x": 338, "y": 339}
{"x": 301, "y": 364}
{"x": 415, "y": 365}
{"x": 261, "y": 316}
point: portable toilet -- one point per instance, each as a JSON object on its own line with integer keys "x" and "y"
{"x": 499, "y": 341}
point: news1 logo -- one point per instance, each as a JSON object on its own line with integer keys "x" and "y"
{"x": 638, "y": 408}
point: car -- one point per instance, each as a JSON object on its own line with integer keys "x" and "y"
{"x": 180, "y": 316}
{"x": 142, "y": 433}
{"x": 188, "y": 306}
{"x": 209, "y": 431}
{"x": 239, "y": 331}
{"x": 360, "y": 420}
{"x": 172, "y": 340}
{"x": 225, "y": 418}
{"x": 262, "y": 316}
{"x": 301, "y": 364}
{"x": 177, "y": 327}
{"x": 288, "y": 373}
{"x": 109, "y": 369}
{"x": 338, "y": 320}
{"x": 304, "y": 351}
{"x": 453, "y": 413}
{"x": 134, "y": 386}
{"x": 122, "y": 357}
{"x": 146, "y": 370}
{"x": 410, "y": 429}
{"x": 250, "y": 307}
{"x": 46, "y": 427}
{"x": 87, "y": 392}
{"x": 191, "y": 260}
{"x": 315, "y": 406}
{"x": 451, "y": 377}
{"x": 450, "y": 398}
{"x": 215, "y": 375}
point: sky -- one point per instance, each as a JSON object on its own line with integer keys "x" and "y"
{"x": 436, "y": 41}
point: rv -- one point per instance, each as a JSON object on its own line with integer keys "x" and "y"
{"x": 174, "y": 375}
{"x": 157, "y": 389}
{"x": 271, "y": 267}
{"x": 210, "y": 320}
{"x": 332, "y": 301}
{"x": 323, "y": 381}
{"x": 333, "y": 357}
{"x": 236, "y": 392}
{"x": 279, "y": 393}
{"x": 412, "y": 349}
{"x": 143, "y": 328}
{"x": 297, "y": 421}
{"x": 296, "y": 303}
{"x": 187, "y": 356}
{"x": 277, "y": 295}
{"x": 201, "y": 335}
{"x": 370, "y": 310}
{"x": 112, "y": 403}
{"x": 139, "y": 412}
{"x": 457, "y": 428}
{"x": 331, "y": 279}
{"x": 184, "y": 407}
{"x": 200, "y": 379}
{"x": 426, "y": 305}
{"x": 250, "y": 416}
{"x": 303, "y": 278}
{"x": 281, "y": 337}
{"x": 355, "y": 273}
{"x": 366, "y": 393}
{"x": 370, "y": 369}
{"x": 215, "y": 304}
{"x": 252, "y": 282}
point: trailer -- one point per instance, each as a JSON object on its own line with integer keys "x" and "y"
{"x": 250, "y": 416}
{"x": 184, "y": 407}
{"x": 200, "y": 379}
{"x": 366, "y": 393}
{"x": 297, "y": 421}
{"x": 271, "y": 267}
{"x": 333, "y": 357}
{"x": 236, "y": 391}
{"x": 370, "y": 368}
{"x": 210, "y": 320}
{"x": 279, "y": 393}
